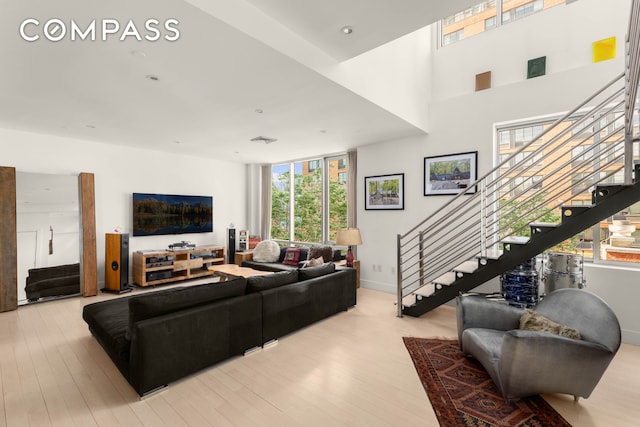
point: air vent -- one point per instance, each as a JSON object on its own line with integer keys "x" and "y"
{"x": 263, "y": 139}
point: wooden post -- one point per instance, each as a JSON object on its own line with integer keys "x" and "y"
{"x": 8, "y": 241}
{"x": 88, "y": 247}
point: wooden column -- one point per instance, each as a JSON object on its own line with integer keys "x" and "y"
{"x": 88, "y": 247}
{"x": 8, "y": 241}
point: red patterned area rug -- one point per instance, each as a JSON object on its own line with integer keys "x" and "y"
{"x": 462, "y": 393}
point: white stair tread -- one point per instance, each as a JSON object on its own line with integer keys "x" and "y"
{"x": 446, "y": 279}
{"x": 491, "y": 254}
{"x": 543, "y": 224}
{"x": 409, "y": 301}
{"x": 516, "y": 240}
{"x": 467, "y": 267}
{"x": 426, "y": 291}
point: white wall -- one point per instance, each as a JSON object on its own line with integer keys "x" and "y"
{"x": 463, "y": 120}
{"x": 120, "y": 171}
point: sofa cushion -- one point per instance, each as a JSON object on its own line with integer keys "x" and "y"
{"x": 315, "y": 262}
{"x": 317, "y": 271}
{"x": 171, "y": 300}
{"x": 270, "y": 281}
{"x": 532, "y": 321}
{"x": 266, "y": 251}
{"x": 291, "y": 256}
{"x": 326, "y": 252}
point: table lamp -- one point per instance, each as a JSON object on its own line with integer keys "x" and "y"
{"x": 349, "y": 237}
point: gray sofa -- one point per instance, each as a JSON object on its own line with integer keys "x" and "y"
{"x": 158, "y": 337}
{"x": 527, "y": 362}
{"x": 326, "y": 251}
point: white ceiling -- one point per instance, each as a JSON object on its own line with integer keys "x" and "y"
{"x": 210, "y": 82}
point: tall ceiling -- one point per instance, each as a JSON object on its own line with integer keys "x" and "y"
{"x": 222, "y": 83}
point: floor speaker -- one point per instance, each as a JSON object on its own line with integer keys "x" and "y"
{"x": 231, "y": 245}
{"x": 116, "y": 263}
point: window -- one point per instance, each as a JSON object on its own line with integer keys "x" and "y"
{"x": 596, "y": 152}
{"x": 488, "y": 15}
{"x": 309, "y": 200}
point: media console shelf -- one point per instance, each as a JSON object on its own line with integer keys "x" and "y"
{"x": 157, "y": 267}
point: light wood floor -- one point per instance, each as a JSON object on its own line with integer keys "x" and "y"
{"x": 351, "y": 369}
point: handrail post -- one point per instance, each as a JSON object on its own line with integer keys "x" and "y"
{"x": 399, "y": 277}
{"x": 421, "y": 249}
{"x": 483, "y": 218}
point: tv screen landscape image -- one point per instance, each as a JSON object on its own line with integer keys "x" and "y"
{"x": 161, "y": 214}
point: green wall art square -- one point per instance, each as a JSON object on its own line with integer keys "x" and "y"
{"x": 537, "y": 67}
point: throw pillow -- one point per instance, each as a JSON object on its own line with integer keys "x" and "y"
{"x": 324, "y": 251}
{"x": 532, "y": 321}
{"x": 270, "y": 281}
{"x": 292, "y": 256}
{"x": 266, "y": 251}
{"x": 315, "y": 261}
{"x": 317, "y": 271}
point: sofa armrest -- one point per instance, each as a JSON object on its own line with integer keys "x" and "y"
{"x": 538, "y": 362}
{"x": 478, "y": 312}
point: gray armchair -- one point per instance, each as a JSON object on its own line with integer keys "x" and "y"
{"x": 524, "y": 362}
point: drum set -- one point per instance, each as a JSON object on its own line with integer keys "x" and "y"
{"x": 520, "y": 286}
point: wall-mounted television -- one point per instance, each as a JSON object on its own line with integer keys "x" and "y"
{"x": 160, "y": 214}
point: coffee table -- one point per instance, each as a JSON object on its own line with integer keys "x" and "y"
{"x": 236, "y": 270}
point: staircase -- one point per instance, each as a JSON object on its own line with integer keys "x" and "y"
{"x": 479, "y": 234}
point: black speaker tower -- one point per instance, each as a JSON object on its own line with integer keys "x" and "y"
{"x": 231, "y": 245}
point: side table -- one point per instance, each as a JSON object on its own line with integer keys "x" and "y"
{"x": 242, "y": 256}
{"x": 356, "y": 266}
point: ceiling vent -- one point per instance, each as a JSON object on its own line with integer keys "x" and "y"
{"x": 263, "y": 139}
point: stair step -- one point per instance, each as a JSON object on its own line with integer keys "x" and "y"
{"x": 446, "y": 279}
{"x": 467, "y": 267}
{"x": 409, "y": 301}
{"x": 515, "y": 240}
{"x": 426, "y": 291}
{"x": 603, "y": 191}
{"x": 492, "y": 254}
{"x": 551, "y": 225}
{"x": 569, "y": 212}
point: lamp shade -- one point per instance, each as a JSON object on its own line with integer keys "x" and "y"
{"x": 348, "y": 237}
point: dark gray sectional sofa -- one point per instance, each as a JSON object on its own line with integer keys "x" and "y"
{"x": 53, "y": 281}
{"x": 159, "y": 337}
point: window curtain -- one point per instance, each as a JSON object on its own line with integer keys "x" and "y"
{"x": 265, "y": 207}
{"x": 352, "y": 176}
{"x": 352, "y": 161}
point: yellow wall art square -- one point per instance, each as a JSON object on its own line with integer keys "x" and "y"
{"x": 604, "y": 50}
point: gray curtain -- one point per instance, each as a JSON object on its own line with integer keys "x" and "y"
{"x": 265, "y": 206}
{"x": 352, "y": 161}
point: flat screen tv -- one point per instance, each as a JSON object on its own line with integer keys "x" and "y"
{"x": 160, "y": 214}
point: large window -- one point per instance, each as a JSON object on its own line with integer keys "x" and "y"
{"x": 594, "y": 151}
{"x": 487, "y": 15}
{"x": 309, "y": 200}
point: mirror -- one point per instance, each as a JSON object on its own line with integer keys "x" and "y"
{"x": 48, "y": 236}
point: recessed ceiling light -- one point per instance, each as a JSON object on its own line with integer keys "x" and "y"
{"x": 259, "y": 110}
{"x": 323, "y": 131}
{"x": 347, "y": 29}
{"x": 90, "y": 126}
{"x": 177, "y": 142}
{"x": 152, "y": 77}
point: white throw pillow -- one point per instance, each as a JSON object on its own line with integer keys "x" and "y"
{"x": 266, "y": 251}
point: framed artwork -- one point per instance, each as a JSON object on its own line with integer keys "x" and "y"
{"x": 384, "y": 192}
{"x": 450, "y": 174}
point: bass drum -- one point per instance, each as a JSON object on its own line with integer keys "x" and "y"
{"x": 520, "y": 286}
{"x": 554, "y": 280}
{"x": 564, "y": 263}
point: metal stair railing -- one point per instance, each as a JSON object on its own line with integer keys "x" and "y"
{"x": 570, "y": 160}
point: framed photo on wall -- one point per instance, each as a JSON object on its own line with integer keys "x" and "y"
{"x": 384, "y": 192}
{"x": 450, "y": 174}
